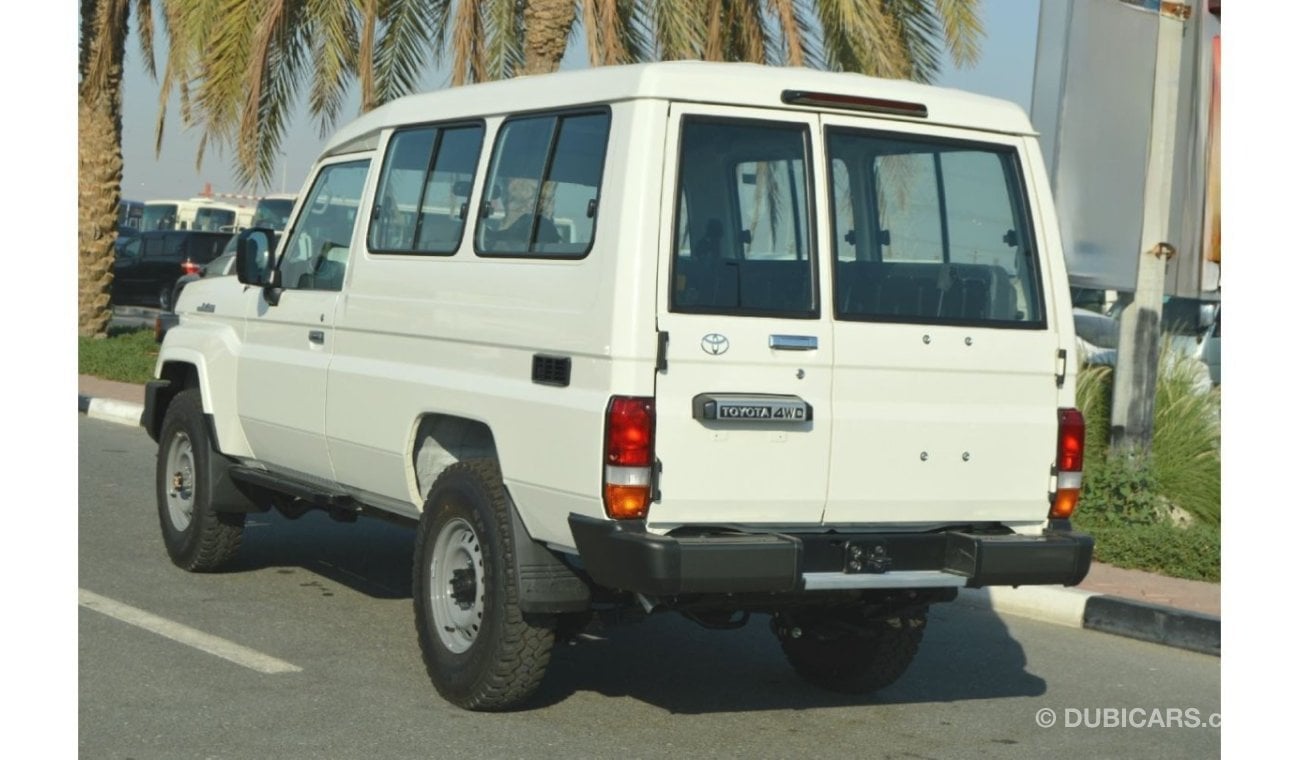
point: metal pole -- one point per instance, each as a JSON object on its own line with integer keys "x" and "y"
{"x": 1137, "y": 361}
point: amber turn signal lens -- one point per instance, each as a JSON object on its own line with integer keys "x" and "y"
{"x": 626, "y": 502}
{"x": 1063, "y": 506}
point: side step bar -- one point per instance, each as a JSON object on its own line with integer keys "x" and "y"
{"x": 313, "y": 494}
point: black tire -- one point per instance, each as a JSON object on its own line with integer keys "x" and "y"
{"x": 197, "y": 537}
{"x": 165, "y": 297}
{"x": 840, "y": 651}
{"x": 480, "y": 651}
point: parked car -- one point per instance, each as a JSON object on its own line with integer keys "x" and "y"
{"x": 149, "y": 264}
{"x": 1191, "y": 327}
{"x": 218, "y": 267}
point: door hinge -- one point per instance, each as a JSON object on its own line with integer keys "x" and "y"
{"x": 1060, "y": 367}
{"x": 661, "y": 354}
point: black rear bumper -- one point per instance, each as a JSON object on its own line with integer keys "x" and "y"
{"x": 623, "y": 555}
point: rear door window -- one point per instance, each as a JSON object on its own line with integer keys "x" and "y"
{"x": 931, "y": 231}
{"x": 743, "y": 233}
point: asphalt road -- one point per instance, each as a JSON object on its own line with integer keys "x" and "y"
{"x": 329, "y": 605}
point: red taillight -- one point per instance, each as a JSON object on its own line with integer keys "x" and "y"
{"x": 1069, "y": 447}
{"x": 629, "y": 456}
{"x": 1069, "y": 463}
{"x": 629, "y": 431}
{"x": 189, "y": 267}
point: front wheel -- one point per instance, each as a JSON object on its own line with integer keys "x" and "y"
{"x": 198, "y": 538}
{"x": 844, "y": 651}
{"x": 480, "y": 651}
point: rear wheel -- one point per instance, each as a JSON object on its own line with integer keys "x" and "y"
{"x": 480, "y": 651}
{"x": 842, "y": 650}
{"x": 165, "y": 297}
{"x": 198, "y": 538}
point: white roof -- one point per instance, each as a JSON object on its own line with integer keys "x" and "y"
{"x": 741, "y": 84}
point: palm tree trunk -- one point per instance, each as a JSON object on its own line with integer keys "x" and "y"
{"x": 99, "y": 163}
{"x": 547, "y": 24}
{"x": 366, "y": 56}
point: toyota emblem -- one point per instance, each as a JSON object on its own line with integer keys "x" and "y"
{"x": 715, "y": 344}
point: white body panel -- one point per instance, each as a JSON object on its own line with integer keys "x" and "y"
{"x": 410, "y": 338}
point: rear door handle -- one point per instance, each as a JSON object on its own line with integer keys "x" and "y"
{"x": 316, "y": 336}
{"x": 792, "y": 342}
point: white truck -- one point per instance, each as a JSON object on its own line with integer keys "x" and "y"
{"x": 1130, "y": 134}
{"x": 804, "y": 350}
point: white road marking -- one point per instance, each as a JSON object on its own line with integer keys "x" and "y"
{"x": 227, "y": 650}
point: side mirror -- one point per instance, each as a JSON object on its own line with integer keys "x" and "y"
{"x": 1208, "y": 312}
{"x": 253, "y": 257}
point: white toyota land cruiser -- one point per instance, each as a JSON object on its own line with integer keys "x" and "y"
{"x": 714, "y": 338}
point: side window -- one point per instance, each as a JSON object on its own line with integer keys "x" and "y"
{"x": 544, "y": 186}
{"x": 152, "y": 247}
{"x": 315, "y": 256}
{"x": 173, "y": 245}
{"x": 744, "y": 242}
{"x": 130, "y": 249}
{"x": 422, "y": 203}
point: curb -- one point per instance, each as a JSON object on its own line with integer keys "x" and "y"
{"x": 1058, "y": 605}
{"x": 1116, "y": 615}
{"x": 111, "y": 410}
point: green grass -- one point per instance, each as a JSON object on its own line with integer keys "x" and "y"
{"x": 125, "y": 355}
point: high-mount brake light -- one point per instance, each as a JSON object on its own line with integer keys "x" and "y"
{"x": 854, "y": 103}
{"x": 1069, "y": 463}
{"x": 629, "y": 456}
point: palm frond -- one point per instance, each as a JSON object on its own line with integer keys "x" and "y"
{"x": 335, "y": 38}
{"x": 921, "y": 36}
{"x": 861, "y": 35}
{"x": 962, "y": 29}
{"x": 678, "y": 27}
{"x": 612, "y": 36}
{"x": 503, "y": 46}
{"x": 792, "y": 33}
{"x": 403, "y": 48}
{"x": 144, "y": 27}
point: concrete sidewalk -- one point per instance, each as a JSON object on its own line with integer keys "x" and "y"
{"x": 1130, "y": 603}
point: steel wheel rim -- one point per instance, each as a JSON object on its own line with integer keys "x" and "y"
{"x": 456, "y": 587}
{"x": 180, "y": 481}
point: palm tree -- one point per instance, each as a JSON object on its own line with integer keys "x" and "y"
{"x": 103, "y": 29}
{"x": 239, "y": 64}
{"x": 891, "y": 38}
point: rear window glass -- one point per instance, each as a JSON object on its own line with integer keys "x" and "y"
{"x": 743, "y": 238}
{"x": 931, "y": 231}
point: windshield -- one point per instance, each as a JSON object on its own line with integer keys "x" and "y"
{"x": 272, "y": 213}
{"x": 213, "y": 219}
{"x": 930, "y": 231}
{"x": 159, "y": 216}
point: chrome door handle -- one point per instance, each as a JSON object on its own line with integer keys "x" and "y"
{"x": 316, "y": 336}
{"x": 792, "y": 342}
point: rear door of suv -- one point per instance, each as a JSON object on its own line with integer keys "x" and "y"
{"x": 743, "y": 398}
{"x": 945, "y": 389}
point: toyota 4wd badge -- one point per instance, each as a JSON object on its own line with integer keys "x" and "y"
{"x": 715, "y": 344}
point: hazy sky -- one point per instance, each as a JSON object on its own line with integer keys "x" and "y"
{"x": 1005, "y": 70}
